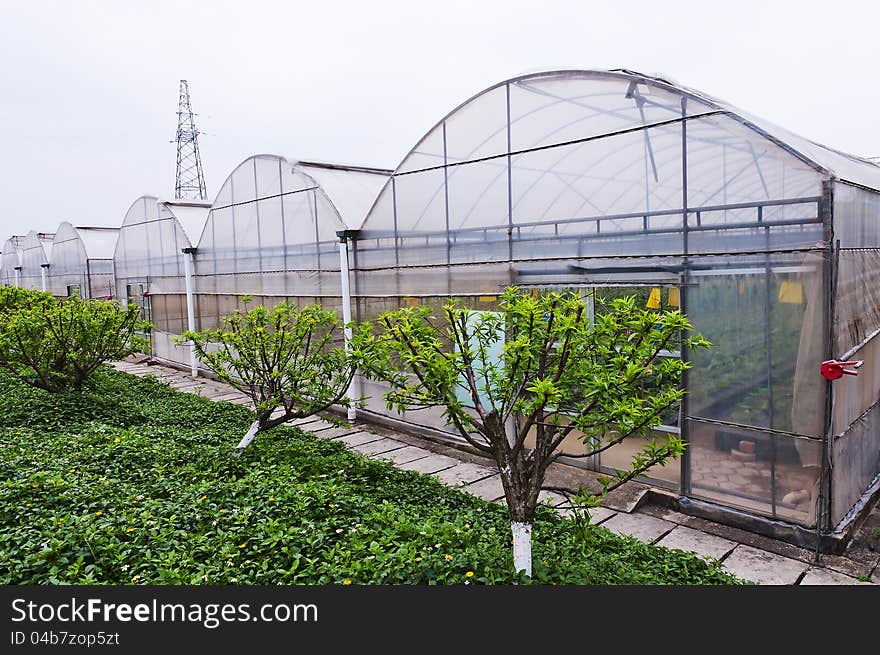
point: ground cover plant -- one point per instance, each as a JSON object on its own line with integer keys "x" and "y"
{"x": 132, "y": 482}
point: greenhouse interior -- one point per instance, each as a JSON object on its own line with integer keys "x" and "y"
{"x": 608, "y": 183}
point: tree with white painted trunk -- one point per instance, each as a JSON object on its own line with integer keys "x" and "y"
{"x": 291, "y": 361}
{"x": 518, "y": 382}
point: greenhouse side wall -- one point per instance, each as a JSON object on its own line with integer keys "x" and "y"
{"x": 270, "y": 235}
{"x": 856, "y": 416}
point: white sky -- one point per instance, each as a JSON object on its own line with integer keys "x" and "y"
{"x": 88, "y": 90}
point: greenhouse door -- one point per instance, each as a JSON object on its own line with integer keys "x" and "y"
{"x": 136, "y": 294}
{"x": 620, "y": 456}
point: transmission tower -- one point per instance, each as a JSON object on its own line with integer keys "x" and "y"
{"x": 190, "y": 181}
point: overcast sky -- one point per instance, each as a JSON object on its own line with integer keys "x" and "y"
{"x": 89, "y": 89}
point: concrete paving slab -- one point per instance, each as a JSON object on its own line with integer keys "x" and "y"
{"x": 305, "y": 421}
{"x": 241, "y": 400}
{"x": 404, "y": 455}
{"x": 625, "y": 498}
{"x": 763, "y": 567}
{"x": 597, "y": 514}
{"x": 705, "y": 545}
{"x": 333, "y": 432}
{"x": 822, "y": 576}
{"x": 225, "y": 397}
{"x": 487, "y": 488}
{"x": 216, "y": 394}
{"x": 641, "y": 526}
{"x": 319, "y": 427}
{"x": 431, "y": 464}
{"x": 463, "y": 472}
{"x": 380, "y": 446}
{"x": 187, "y": 385}
{"x": 358, "y": 438}
{"x": 554, "y": 498}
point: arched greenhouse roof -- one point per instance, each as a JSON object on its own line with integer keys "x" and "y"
{"x": 33, "y": 258}
{"x": 564, "y": 144}
{"x": 73, "y": 246}
{"x": 352, "y": 189}
{"x": 95, "y": 242}
{"x": 10, "y": 259}
{"x": 153, "y": 235}
{"x": 190, "y": 216}
{"x": 278, "y": 185}
{"x": 273, "y": 213}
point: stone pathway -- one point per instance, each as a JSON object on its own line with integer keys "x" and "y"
{"x": 753, "y": 557}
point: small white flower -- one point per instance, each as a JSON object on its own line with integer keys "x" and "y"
{"x": 125, "y": 567}
{"x": 338, "y": 530}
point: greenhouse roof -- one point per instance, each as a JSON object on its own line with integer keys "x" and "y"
{"x": 352, "y": 189}
{"x": 191, "y": 215}
{"x": 841, "y": 165}
{"x": 573, "y": 148}
{"x": 98, "y": 242}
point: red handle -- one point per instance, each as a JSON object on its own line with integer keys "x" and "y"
{"x": 832, "y": 369}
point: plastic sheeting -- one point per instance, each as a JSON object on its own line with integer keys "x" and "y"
{"x": 10, "y": 259}
{"x": 33, "y": 259}
{"x": 763, "y": 315}
{"x": 151, "y": 242}
{"x": 857, "y": 315}
{"x": 82, "y": 261}
{"x": 856, "y": 458}
{"x": 271, "y": 231}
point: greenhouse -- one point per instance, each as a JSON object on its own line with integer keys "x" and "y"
{"x": 82, "y": 261}
{"x": 151, "y": 260}
{"x": 270, "y": 233}
{"x": 10, "y": 262}
{"x": 611, "y": 183}
{"x": 36, "y": 250}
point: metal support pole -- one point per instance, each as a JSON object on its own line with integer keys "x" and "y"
{"x": 829, "y": 292}
{"x": 44, "y": 269}
{"x": 683, "y": 421}
{"x": 346, "y": 315}
{"x": 768, "y": 343}
{"x": 188, "y": 256}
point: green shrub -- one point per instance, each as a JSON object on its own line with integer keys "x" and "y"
{"x": 57, "y": 344}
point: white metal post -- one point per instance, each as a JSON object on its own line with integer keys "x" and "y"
{"x": 190, "y": 312}
{"x": 346, "y": 316}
